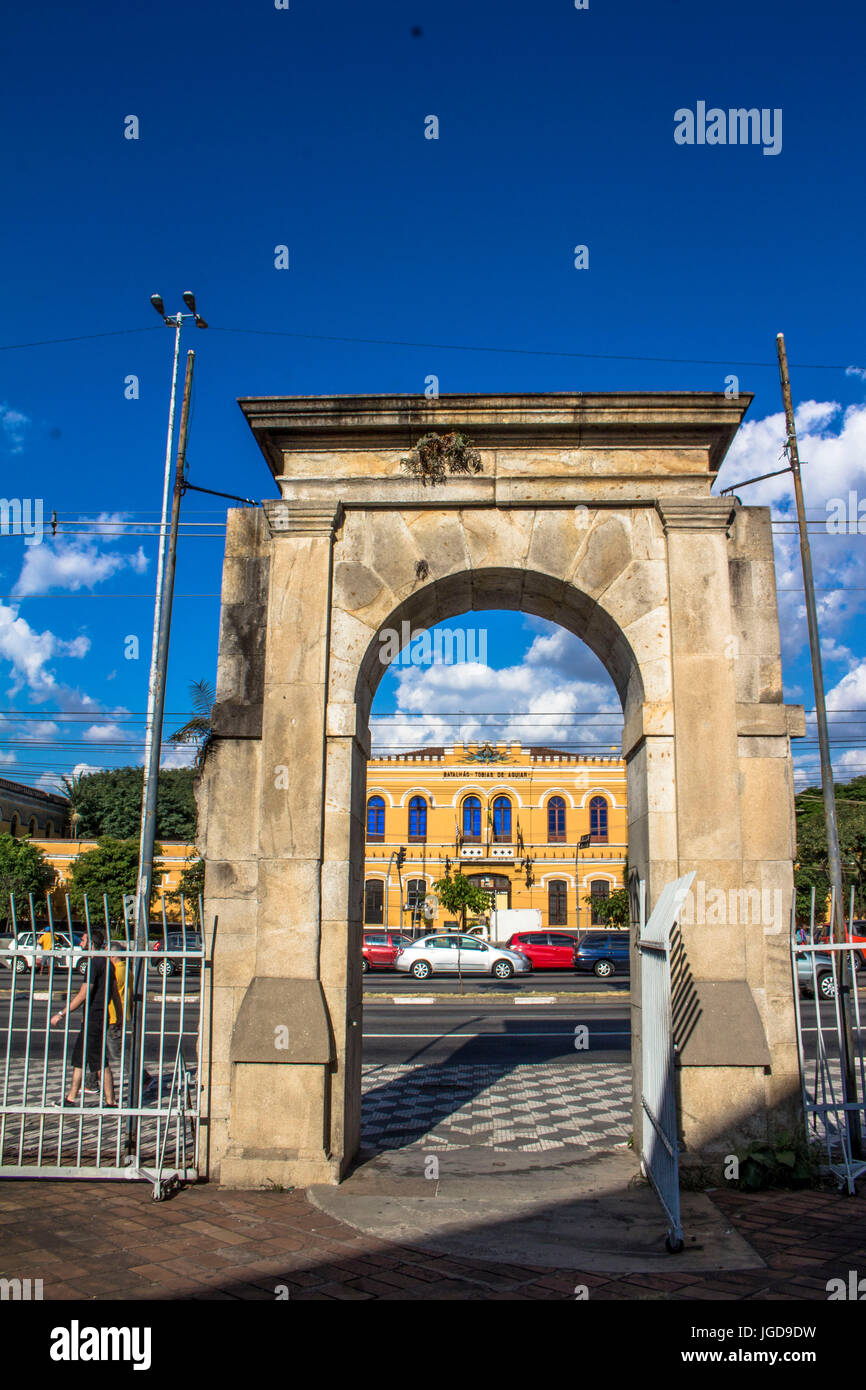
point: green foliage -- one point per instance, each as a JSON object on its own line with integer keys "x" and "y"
{"x": 198, "y": 729}
{"x": 812, "y": 861}
{"x": 191, "y": 885}
{"x": 614, "y": 910}
{"x": 109, "y": 803}
{"x": 458, "y": 895}
{"x": 23, "y": 870}
{"x": 111, "y": 868}
{"x": 437, "y": 455}
{"x": 787, "y": 1160}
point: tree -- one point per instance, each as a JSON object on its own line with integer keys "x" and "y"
{"x": 111, "y": 869}
{"x": 23, "y": 870}
{"x": 198, "y": 729}
{"x": 191, "y": 885}
{"x": 614, "y": 910}
{"x": 109, "y": 803}
{"x": 812, "y": 868}
{"x": 458, "y": 895}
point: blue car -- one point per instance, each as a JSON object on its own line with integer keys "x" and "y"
{"x": 605, "y": 953}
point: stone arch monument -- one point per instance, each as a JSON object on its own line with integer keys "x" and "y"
{"x": 594, "y": 511}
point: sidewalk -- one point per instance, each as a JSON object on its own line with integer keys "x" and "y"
{"x": 110, "y": 1240}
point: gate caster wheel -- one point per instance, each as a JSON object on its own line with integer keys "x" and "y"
{"x": 674, "y": 1247}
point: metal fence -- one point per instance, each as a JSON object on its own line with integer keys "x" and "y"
{"x": 660, "y": 1161}
{"x": 100, "y": 1040}
{"x": 834, "y": 1095}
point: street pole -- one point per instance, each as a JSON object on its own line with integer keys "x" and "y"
{"x": 159, "y": 657}
{"x": 849, "y": 1075}
{"x": 155, "y": 713}
{"x": 582, "y": 843}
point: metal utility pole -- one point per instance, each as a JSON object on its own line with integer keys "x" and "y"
{"x": 849, "y": 1075}
{"x": 161, "y": 623}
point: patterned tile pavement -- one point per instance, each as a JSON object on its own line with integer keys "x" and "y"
{"x": 525, "y": 1108}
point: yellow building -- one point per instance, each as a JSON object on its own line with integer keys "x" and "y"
{"x": 508, "y": 817}
{"x": 167, "y": 869}
{"x": 31, "y": 811}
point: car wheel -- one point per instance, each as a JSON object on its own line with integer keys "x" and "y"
{"x": 503, "y": 970}
{"x": 421, "y": 970}
{"x": 827, "y": 985}
{"x": 165, "y": 968}
{"x": 857, "y": 961}
{"x": 20, "y": 965}
{"x": 81, "y": 967}
{"x": 603, "y": 968}
{"x": 365, "y": 965}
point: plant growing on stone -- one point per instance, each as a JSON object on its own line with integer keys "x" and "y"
{"x": 786, "y": 1160}
{"x": 437, "y": 455}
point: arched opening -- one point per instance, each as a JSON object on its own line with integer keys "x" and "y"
{"x": 499, "y": 799}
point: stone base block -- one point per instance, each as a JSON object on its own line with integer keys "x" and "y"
{"x": 262, "y": 1168}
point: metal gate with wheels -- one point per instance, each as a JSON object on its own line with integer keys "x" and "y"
{"x": 132, "y": 1049}
{"x": 659, "y": 1148}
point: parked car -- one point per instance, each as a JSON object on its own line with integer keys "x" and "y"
{"x": 438, "y": 955}
{"x": 857, "y": 934}
{"x": 605, "y": 953}
{"x": 170, "y": 964}
{"x": 548, "y": 950}
{"x": 23, "y": 952}
{"x": 379, "y": 949}
{"x": 823, "y": 973}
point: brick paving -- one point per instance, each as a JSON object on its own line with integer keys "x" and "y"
{"x": 112, "y": 1241}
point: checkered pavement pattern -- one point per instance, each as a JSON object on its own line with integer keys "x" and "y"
{"x": 530, "y": 1109}
{"x": 77, "y": 1136}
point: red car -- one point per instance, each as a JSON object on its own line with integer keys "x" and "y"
{"x": 548, "y": 950}
{"x": 858, "y": 936}
{"x": 380, "y": 949}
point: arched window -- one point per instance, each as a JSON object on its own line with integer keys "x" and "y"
{"x": 375, "y": 818}
{"x": 599, "y": 888}
{"x": 14, "y": 824}
{"x": 417, "y": 818}
{"x": 555, "y": 820}
{"x": 31, "y": 829}
{"x": 374, "y": 901}
{"x": 502, "y": 819}
{"x": 472, "y": 818}
{"x": 49, "y": 829}
{"x": 598, "y": 820}
{"x": 557, "y": 903}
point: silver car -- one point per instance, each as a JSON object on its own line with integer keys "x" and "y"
{"x": 457, "y": 954}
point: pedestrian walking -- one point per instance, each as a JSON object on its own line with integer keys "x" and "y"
{"x": 90, "y": 1045}
{"x": 46, "y": 941}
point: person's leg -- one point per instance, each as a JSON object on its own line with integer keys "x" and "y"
{"x": 107, "y": 1085}
{"x": 72, "y": 1093}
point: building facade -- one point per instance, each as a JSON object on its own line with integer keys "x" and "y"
{"x": 30, "y": 811}
{"x": 510, "y": 818}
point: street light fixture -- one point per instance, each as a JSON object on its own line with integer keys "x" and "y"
{"x": 583, "y": 843}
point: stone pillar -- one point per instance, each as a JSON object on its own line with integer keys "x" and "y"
{"x": 719, "y": 1003}
{"x": 282, "y": 1047}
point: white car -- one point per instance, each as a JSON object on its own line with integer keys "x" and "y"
{"x": 23, "y": 952}
{"x": 458, "y": 954}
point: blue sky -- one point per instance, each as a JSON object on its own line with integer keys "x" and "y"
{"x": 260, "y": 127}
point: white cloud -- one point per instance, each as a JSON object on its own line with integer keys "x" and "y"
{"x": 533, "y": 701}
{"x": 29, "y": 653}
{"x": 14, "y": 426}
{"x": 106, "y": 733}
{"x": 73, "y": 564}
